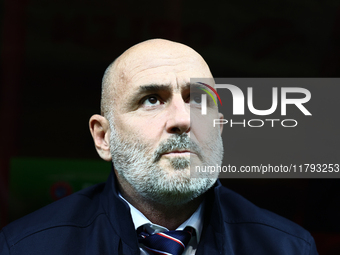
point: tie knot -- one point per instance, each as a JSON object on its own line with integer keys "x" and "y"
{"x": 168, "y": 242}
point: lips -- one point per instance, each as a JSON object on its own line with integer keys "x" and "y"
{"x": 177, "y": 152}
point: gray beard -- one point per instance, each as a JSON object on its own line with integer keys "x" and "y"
{"x": 141, "y": 169}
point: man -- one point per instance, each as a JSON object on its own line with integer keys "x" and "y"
{"x": 150, "y": 205}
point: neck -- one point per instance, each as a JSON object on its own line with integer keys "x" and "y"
{"x": 167, "y": 216}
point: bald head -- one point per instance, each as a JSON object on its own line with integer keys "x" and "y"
{"x": 146, "y": 59}
{"x": 147, "y": 131}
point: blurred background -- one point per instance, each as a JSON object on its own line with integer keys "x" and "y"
{"x": 53, "y": 56}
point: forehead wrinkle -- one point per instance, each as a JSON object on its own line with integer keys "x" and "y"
{"x": 141, "y": 58}
{"x": 147, "y": 69}
{"x": 138, "y": 63}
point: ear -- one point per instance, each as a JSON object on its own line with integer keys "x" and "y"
{"x": 100, "y": 131}
{"x": 221, "y": 117}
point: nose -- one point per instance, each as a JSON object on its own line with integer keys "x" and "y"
{"x": 179, "y": 116}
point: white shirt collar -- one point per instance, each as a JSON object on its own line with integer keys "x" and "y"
{"x": 195, "y": 221}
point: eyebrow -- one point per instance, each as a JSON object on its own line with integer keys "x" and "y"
{"x": 165, "y": 87}
{"x": 156, "y": 88}
{"x": 153, "y": 88}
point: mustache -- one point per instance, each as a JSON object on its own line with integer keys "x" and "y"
{"x": 177, "y": 142}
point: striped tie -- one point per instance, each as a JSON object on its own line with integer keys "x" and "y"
{"x": 167, "y": 243}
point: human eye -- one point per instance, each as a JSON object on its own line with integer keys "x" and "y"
{"x": 151, "y": 100}
{"x": 195, "y": 98}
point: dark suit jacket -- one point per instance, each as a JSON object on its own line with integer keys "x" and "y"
{"x": 96, "y": 221}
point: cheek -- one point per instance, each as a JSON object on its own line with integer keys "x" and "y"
{"x": 204, "y": 124}
{"x": 142, "y": 129}
{"x": 203, "y": 130}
